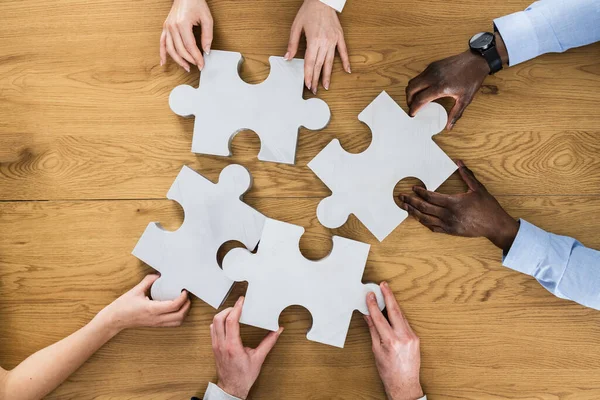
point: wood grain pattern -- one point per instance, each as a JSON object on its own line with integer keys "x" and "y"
{"x": 89, "y": 147}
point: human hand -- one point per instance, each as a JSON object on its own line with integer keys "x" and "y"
{"x": 396, "y": 348}
{"x": 135, "y": 309}
{"x": 459, "y": 77}
{"x": 475, "y": 213}
{"x": 324, "y": 33}
{"x": 237, "y": 366}
{"x": 177, "y": 37}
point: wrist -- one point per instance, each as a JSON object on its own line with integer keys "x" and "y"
{"x": 478, "y": 63}
{"x": 108, "y": 320}
{"x": 233, "y": 391}
{"x": 104, "y": 325}
{"x": 505, "y": 234}
{"x": 414, "y": 392}
{"x": 501, "y": 48}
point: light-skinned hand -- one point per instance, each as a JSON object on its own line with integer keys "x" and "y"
{"x": 324, "y": 33}
{"x": 237, "y": 366}
{"x": 135, "y": 309}
{"x": 177, "y": 38}
{"x": 396, "y": 348}
{"x": 475, "y": 213}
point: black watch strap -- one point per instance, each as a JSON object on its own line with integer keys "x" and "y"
{"x": 493, "y": 59}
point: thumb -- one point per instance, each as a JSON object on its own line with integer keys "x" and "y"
{"x": 457, "y": 111}
{"x": 146, "y": 283}
{"x": 294, "y": 41}
{"x": 267, "y": 344}
{"x": 468, "y": 177}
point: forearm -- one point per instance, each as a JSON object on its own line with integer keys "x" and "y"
{"x": 45, "y": 370}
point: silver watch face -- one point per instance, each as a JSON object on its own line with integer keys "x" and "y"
{"x": 481, "y": 41}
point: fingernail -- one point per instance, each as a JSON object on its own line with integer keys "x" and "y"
{"x": 239, "y": 301}
{"x": 308, "y": 86}
{"x": 385, "y": 284}
{"x": 315, "y": 90}
{"x": 349, "y": 70}
{"x": 187, "y": 69}
{"x": 207, "y": 49}
{"x": 161, "y": 63}
{"x": 280, "y": 330}
{"x": 372, "y": 296}
{"x": 401, "y": 197}
{"x": 287, "y": 56}
{"x": 326, "y": 85}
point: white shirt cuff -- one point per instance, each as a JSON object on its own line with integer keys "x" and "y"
{"x": 213, "y": 392}
{"x": 337, "y": 5}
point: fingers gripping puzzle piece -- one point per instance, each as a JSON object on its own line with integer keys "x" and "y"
{"x": 279, "y": 276}
{"x": 363, "y": 184}
{"x": 214, "y": 214}
{"x": 224, "y": 104}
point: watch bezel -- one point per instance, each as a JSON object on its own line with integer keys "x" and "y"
{"x": 484, "y": 47}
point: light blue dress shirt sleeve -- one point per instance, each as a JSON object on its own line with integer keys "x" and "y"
{"x": 561, "y": 264}
{"x": 549, "y": 26}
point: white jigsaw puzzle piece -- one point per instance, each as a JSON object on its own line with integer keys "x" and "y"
{"x": 213, "y": 215}
{"x": 279, "y": 276}
{"x": 363, "y": 184}
{"x": 224, "y": 105}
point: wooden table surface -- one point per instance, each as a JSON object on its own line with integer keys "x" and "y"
{"x": 89, "y": 148}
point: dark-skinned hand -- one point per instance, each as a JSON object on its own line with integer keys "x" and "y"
{"x": 459, "y": 77}
{"x": 475, "y": 213}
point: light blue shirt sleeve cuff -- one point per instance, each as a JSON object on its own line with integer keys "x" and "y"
{"x": 528, "y": 250}
{"x": 519, "y": 36}
{"x": 213, "y": 392}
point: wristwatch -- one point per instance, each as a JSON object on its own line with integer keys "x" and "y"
{"x": 484, "y": 44}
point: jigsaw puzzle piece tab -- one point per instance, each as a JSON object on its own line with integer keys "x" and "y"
{"x": 213, "y": 215}
{"x": 279, "y": 276}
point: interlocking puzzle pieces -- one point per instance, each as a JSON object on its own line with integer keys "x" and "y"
{"x": 214, "y": 214}
{"x": 363, "y": 184}
{"x": 224, "y": 104}
{"x": 279, "y": 276}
